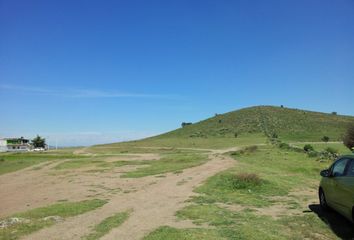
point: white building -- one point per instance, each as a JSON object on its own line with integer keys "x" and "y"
{"x": 14, "y": 145}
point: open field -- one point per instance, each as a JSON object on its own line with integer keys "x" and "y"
{"x": 168, "y": 193}
{"x": 240, "y": 175}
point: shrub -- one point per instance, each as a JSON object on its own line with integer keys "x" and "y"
{"x": 236, "y": 135}
{"x": 284, "y": 146}
{"x": 245, "y": 180}
{"x": 274, "y": 135}
{"x": 325, "y": 138}
{"x": 308, "y": 148}
{"x": 328, "y": 155}
{"x": 249, "y": 149}
{"x": 331, "y": 150}
{"x": 186, "y": 124}
{"x": 348, "y": 139}
{"x": 312, "y": 154}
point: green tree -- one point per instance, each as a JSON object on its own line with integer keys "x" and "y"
{"x": 325, "y": 138}
{"x": 348, "y": 139}
{"x": 308, "y": 148}
{"x": 38, "y": 142}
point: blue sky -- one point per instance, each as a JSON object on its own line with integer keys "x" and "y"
{"x": 86, "y": 72}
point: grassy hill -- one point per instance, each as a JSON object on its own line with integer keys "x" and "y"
{"x": 288, "y": 124}
{"x": 252, "y": 125}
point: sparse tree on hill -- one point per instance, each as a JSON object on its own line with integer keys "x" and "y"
{"x": 348, "y": 139}
{"x": 185, "y": 124}
{"x": 334, "y": 113}
{"x": 38, "y": 142}
{"x": 325, "y": 138}
{"x": 308, "y": 148}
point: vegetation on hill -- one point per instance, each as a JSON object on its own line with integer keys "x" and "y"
{"x": 285, "y": 123}
{"x": 247, "y": 126}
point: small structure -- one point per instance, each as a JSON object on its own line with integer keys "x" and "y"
{"x": 14, "y": 144}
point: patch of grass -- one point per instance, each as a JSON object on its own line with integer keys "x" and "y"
{"x": 320, "y": 147}
{"x": 207, "y": 213}
{"x": 246, "y": 224}
{"x": 169, "y": 163}
{"x": 170, "y": 233}
{"x": 246, "y": 150}
{"x": 107, "y": 225}
{"x": 246, "y": 181}
{"x": 98, "y": 165}
{"x": 78, "y": 163}
{"x": 12, "y": 162}
{"x": 236, "y": 187}
{"x": 278, "y": 173}
{"x": 36, "y": 218}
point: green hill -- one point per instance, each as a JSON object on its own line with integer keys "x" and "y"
{"x": 248, "y": 126}
{"x": 288, "y": 124}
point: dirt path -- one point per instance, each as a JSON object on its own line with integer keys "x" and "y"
{"x": 153, "y": 201}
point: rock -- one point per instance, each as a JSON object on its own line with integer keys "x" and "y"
{"x": 53, "y": 218}
{"x": 12, "y": 221}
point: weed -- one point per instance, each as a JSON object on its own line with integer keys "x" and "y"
{"x": 107, "y": 225}
{"x": 245, "y": 180}
{"x": 43, "y": 217}
{"x": 169, "y": 163}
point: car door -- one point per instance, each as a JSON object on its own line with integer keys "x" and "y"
{"x": 345, "y": 187}
{"x": 338, "y": 171}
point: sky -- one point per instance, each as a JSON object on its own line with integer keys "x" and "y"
{"x": 85, "y": 72}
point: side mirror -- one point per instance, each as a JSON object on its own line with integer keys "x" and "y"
{"x": 325, "y": 173}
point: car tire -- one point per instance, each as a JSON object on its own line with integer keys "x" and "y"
{"x": 322, "y": 198}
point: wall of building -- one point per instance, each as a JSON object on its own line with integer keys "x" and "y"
{"x": 3, "y": 145}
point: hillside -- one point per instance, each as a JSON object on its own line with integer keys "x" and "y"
{"x": 288, "y": 124}
{"x": 251, "y": 125}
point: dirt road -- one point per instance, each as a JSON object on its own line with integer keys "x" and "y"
{"x": 153, "y": 201}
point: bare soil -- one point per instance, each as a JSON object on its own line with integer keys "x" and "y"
{"x": 153, "y": 200}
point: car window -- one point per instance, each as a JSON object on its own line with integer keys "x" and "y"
{"x": 350, "y": 172}
{"x": 339, "y": 168}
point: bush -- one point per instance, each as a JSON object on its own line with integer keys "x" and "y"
{"x": 246, "y": 180}
{"x": 308, "y": 148}
{"x": 348, "y": 139}
{"x": 312, "y": 154}
{"x": 249, "y": 149}
{"x": 184, "y": 124}
{"x": 325, "y": 138}
{"x": 236, "y": 135}
{"x": 331, "y": 150}
{"x": 284, "y": 146}
{"x": 274, "y": 135}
